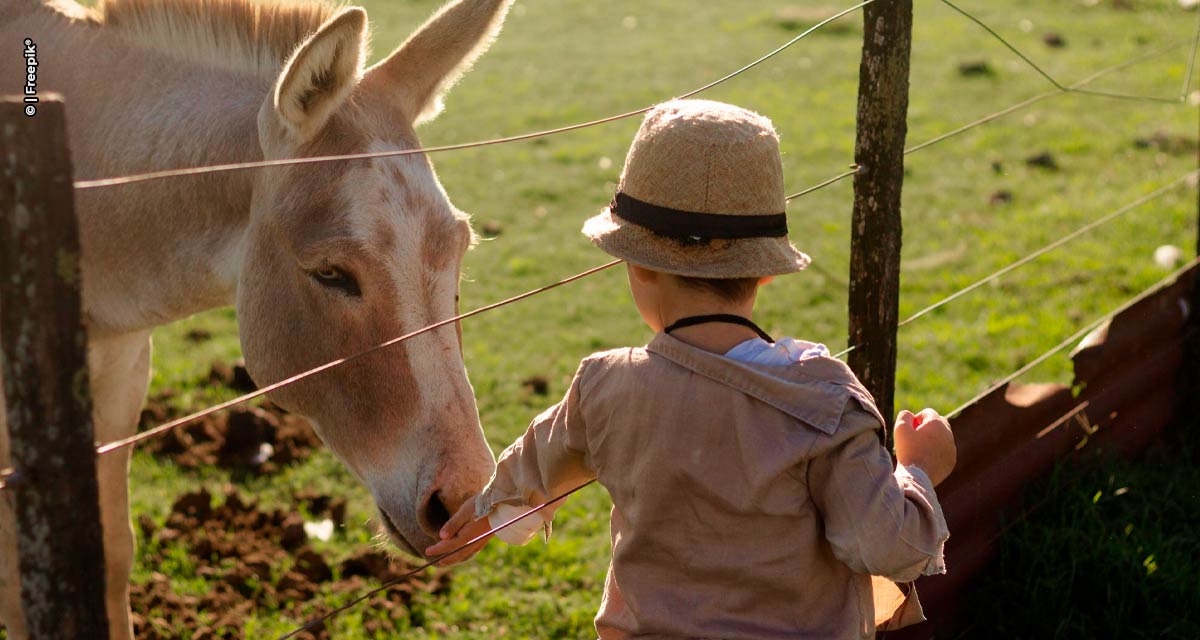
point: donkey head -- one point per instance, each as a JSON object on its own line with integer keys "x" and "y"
{"x": 341, "y": 256}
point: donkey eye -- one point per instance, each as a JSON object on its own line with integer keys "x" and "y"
{"x": 335, "y": 278}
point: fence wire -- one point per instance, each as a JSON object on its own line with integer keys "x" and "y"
{"x": 111, "y": 446}
{"x": 241, "y": 166}
{"x": 1103, "y": 220}
{"x": 996, "y": 115}
{"x": 150, "y": 433}
{"x": 1074, "y": 338}
{"x": 1105, "y": 94}
{"x": 115, "y": 445}
{"x": 1030, "y": 257}
{"x": 7, "y": 476}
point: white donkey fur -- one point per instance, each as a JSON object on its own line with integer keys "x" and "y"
{"x": 322, "y": 260}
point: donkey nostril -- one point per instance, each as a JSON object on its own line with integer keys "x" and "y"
{"x": 436, "y": 513}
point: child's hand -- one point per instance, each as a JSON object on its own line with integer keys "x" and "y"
{"x": 925, "y": 440}
{"x": 461, "y": 528}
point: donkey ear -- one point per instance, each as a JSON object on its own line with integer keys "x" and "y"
{"x": 436, "y": 56}
{"x": 321, "y": 73}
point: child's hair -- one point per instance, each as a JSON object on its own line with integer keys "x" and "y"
{"x": 728, "y": 289}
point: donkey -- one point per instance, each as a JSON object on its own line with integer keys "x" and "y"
{"x": 322, "y": 260}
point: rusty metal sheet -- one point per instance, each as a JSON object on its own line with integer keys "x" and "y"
{"x": 998, "y": 422}
{"x": 1125, "y": 380}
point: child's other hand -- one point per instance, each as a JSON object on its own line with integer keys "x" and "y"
{"x": 925, "y": 440}
{"x": 461, "y": 528}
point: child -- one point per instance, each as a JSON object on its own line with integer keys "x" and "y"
{"x": 752, "y": 494}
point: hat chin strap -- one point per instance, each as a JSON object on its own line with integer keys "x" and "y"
{"x": 719, "y": 317}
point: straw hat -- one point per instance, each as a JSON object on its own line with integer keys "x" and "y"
{"x": 701, "y": 195}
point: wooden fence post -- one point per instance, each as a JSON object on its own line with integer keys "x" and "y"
{"x": 46, "y": 379}
{"x": 875, "y": 234}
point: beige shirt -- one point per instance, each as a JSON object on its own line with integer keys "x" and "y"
{"x": 749, "y": 501}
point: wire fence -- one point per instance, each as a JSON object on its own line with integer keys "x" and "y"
{"x": 1049, "y": 78}
{"x": 1070, "y": 340}
{"x": 243, "y": 166}
{"x": 1060, "y": 89}
{"x": 1030, "y": 257}
{"x": 145, "y": 435}
{"x": 8, "y": 479}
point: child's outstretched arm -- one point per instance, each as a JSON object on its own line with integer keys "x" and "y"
{"x": 463, "y": 527}
{"x": 550, "y": 459}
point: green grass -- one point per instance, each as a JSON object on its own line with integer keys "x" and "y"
{"x": 564, "y": 61}
{"x": 1111, "y": 545}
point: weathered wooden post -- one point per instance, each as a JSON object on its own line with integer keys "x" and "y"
{"x": 46, "y": 378}
{"x": 875, "y": 233}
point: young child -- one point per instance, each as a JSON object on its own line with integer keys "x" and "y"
{"x": 752, "y": 494}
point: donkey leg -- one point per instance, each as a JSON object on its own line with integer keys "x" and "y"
{"x": 10, "y": 584}
{"x": 120, "y": 369}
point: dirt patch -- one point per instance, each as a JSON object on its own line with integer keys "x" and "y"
{"x": 1168, "y": 143}
{"x": 235, "y": 376}
{"x": 198, "y": 335}
{"x": 491, "y": 229}
{"x": 1054, "y": 40}
{"x": 251, "y": 559}
{"x": 1043, "y": 160}
{"x": 258, "y": 440}
{"x": 796, "y": 18}
{"x": 973, "y": 68}
{"x": 536, "y": 385}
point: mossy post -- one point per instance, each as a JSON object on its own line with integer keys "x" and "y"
{"x": 875, "y": 229}
{"x": 46, "y": 382}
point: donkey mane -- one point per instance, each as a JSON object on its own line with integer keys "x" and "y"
{"x": 251, "y": 36}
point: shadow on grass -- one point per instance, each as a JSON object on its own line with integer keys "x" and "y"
{"x": 1110, "y": 548}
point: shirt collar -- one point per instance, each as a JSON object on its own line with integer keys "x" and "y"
{"x": 814, "y": 390}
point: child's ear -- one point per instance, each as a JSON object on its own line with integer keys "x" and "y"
{"x": 762, "y": 282}
{"x": 642, "y": 274}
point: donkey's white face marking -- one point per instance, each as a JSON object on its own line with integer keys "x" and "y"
{"x": 344, "y": 257}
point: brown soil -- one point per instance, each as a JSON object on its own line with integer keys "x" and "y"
{"x": 252, "y": 559}
{"x": 1168, "y": 143}
{"x": 249, "y": 558}
{"x": 536, "y": 385}
{"x": 255, "y": 439}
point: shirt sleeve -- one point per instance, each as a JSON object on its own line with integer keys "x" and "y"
{"x": 879, "y": 520}
{"x": 549, "y": 460}
{"x": 519, "y": 532}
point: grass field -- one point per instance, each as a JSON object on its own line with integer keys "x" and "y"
{"x": 563, "y": 61}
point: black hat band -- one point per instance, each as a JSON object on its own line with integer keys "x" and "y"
{"x": 675, "y": 223}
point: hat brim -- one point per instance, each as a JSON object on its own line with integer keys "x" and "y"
{"x": 743, "y": 258}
